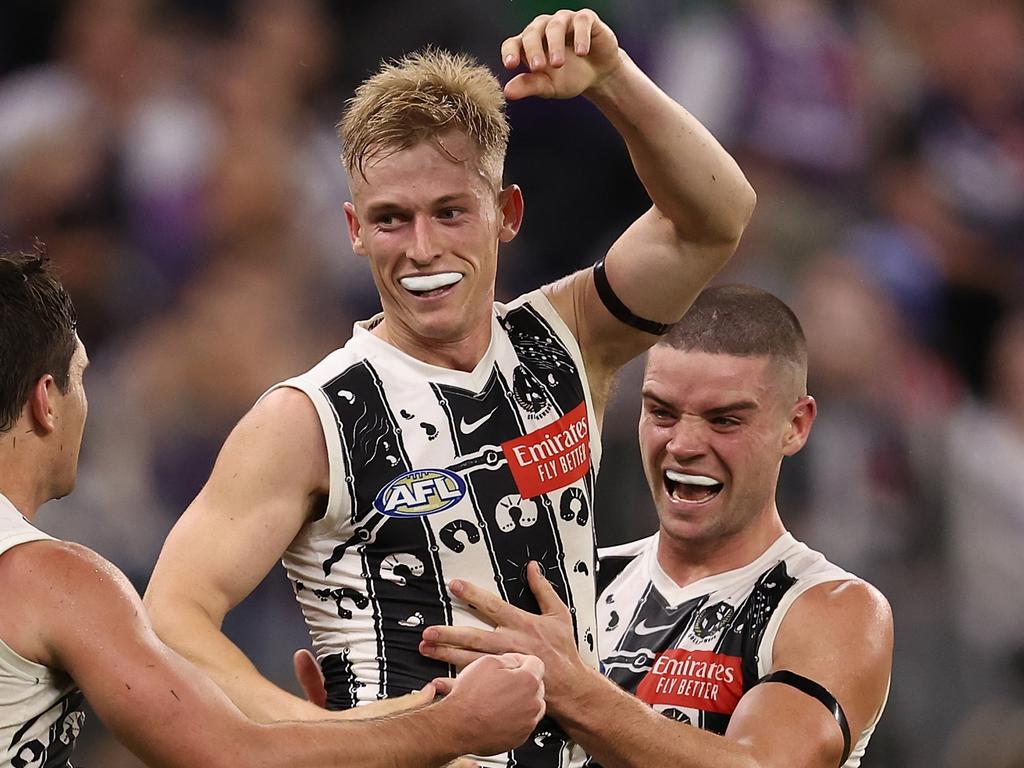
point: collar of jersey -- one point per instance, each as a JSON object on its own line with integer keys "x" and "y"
{"x": 474, "y": 380}
{"x": 676, "y": 595}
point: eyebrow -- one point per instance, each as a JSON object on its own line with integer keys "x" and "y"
{"x": 740, "y": 405}
{"x": 386, "y": 207}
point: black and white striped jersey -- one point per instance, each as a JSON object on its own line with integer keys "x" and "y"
{"x": 439, "y": 474}
{"x": 41, "y": 710}
{"x": 691, "y": 652}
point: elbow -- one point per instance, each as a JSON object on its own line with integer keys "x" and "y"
{"x": 741, "y": 211}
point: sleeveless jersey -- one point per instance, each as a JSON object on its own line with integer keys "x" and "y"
{"x": 438, "y": 474}
{"x": 40, "y": 708}
{"x": 691, "y": 652}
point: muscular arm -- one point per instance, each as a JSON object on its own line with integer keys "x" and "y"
{"x": 837, "y": 634}
{"x": 269, "y": 473}
{"x": 74, "y": 611}
{"x": 701, "y": 200}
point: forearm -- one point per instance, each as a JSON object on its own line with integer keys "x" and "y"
{"x": 620, "y": 731}
{"x": 426, "y": 738}
{"x": 690, "y": 178}
{"x": 194, "y": 635}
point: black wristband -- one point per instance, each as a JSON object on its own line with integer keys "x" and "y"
{"x": 816, "y": 691}
{"x": 620, "y": 310}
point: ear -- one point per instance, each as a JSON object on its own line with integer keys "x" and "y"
{"x": 801, "y": 418}
{"x": 510, "y": 200}
{"x": 39, "y": 404}
{"x": 355, "y": 229}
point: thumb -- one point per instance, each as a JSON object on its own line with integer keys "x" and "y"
{"x": 443, "y": 685}
{"x": 310, "y": 677}
{"x": 529, "y": 84}
{"x": 547, "y": 598}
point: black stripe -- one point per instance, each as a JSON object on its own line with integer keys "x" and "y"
{"x": 620, "y": 310}
{"x": 816, "y": 691}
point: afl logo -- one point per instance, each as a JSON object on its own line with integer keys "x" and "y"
{"x": 420, "y": 492}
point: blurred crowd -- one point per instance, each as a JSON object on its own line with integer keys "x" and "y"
{"x": 178, "y": 159}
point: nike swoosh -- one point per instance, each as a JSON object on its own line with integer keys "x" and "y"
{"x": 643, "y": 629}
{"x": 468, "y": 427}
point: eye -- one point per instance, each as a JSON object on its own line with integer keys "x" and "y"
{"x": 726, "y": 421}
{"x": 449, "y": 214}
{"x": 388, "y": 221}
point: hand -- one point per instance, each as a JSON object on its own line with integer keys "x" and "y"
{"x": 311, "y": 678}
{"x": 557, "y": 71}
{"x": 548, "y": 636}
{"x": 496, "y": 701}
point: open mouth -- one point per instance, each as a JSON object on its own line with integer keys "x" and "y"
{"x": 691, "y": 489}
{"x": 430, "y": 285}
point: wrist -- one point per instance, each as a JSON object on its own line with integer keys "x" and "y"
{"x": 575, "y": 692}
{"x": 446, "y": 727}
{"x": 609, "y": 84}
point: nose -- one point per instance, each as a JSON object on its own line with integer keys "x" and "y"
{"x": 687, "y": 440}
{"x": 424, "y": 248}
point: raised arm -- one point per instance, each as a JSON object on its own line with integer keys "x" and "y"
{"x": 270, "y": 473}
{"x": 838, "y": 635}
{"x": 701, "y": 200}
{"x": 75, "y": 611}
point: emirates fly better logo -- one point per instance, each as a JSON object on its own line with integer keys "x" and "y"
{"x": 420, "y": 492}
{"x": 551, "y": 457}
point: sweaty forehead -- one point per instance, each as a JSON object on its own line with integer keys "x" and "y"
{"x": 450, "y": 158}
{"x": 700, "y": 380}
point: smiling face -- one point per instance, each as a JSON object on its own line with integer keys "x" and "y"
{"x": 713, "y": 432}
{"x": 430, "y": 223}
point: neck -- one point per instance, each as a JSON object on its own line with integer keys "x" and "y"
{"x": 24, "y": 478}
{"x": 688, "y": 561}
{"x": 462, "y": 354}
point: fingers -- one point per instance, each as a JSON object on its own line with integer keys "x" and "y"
{"x": 583, "y": 26}
{"x": 547, "y": 598}
{"x": 457, "y": 657}
{"x": 543, "y": 43}
{"x": 310, "y": 677}
{"x": 532, "y": 42}
{"x": 487, "y": 604}
{"x": 555, "y": 37}
{"x": 525, "y": 661}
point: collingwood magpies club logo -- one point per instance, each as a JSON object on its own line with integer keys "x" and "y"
{"x": 712, "y": 619}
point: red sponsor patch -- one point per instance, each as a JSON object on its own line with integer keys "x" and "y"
{"x": 551, "y": 457}
{"x": 704, "y": 680}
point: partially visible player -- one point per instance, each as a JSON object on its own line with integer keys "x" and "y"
{"x": 721, "y": 620}
{"x": 70, "y": 622}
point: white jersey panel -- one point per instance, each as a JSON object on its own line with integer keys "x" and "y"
{"x": 439, "y": 474}
{"x": 691, "y": 652}
{"x": 40, "y": 709}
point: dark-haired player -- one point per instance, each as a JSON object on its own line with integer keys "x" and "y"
{"x": 721, "y": 620}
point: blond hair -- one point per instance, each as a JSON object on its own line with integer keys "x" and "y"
{"x": 419, "y": 97}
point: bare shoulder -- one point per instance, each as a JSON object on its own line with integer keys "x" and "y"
{"x": 280, "y": 438}
{"x": 837, "y": 602}
{"x": 285, "y": 409}
{"x": 52, "y": 565}
{"x": 54, "y": 589}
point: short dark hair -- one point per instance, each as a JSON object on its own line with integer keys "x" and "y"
{"x": 37, "y": 329}
{"x": 739, "y": 320}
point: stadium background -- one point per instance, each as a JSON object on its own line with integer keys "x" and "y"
{"x": 179, "y": 161}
